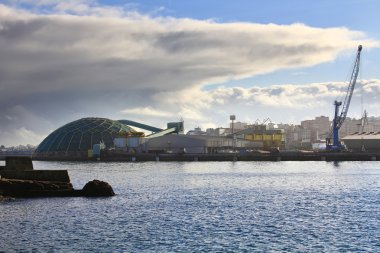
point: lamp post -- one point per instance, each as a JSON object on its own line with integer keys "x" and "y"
{"x": 232, "y": 118}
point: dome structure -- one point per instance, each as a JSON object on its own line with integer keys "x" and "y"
{"x": 77, "y": 137}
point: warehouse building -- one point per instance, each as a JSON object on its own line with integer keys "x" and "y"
{"x": 270, "y": 138}
{"x": 197, "y": 144}
{"x": 77, "y": 138}
{"x": 369, "y": 142}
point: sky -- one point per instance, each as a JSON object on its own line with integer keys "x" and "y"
{"x": 159, "y": 61}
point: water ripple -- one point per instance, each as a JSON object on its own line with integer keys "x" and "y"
{"x": 207, "y": 207}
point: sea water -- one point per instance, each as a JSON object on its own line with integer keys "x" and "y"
{"x": 204, "y": 207}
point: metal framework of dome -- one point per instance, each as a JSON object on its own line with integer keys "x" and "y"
{"x": 80, "y": 135}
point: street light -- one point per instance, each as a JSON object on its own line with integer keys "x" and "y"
{"x": 232, "y": 118}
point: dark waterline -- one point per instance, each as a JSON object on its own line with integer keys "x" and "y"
{"x": 209, "y": 206}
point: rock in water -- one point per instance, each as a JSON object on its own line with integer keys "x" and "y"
{"x": 97, "y": 188}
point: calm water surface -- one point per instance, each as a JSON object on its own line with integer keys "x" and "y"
{"x": 204, "y": 207}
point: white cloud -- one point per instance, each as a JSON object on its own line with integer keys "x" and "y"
{"x": 147, "y": 111}
{"x": 62, "y": 59}
{"x": 66, "y": 52}
{"x": 282, "y": 103}
{"x": 22, "y": 126}
{"x": 28, "y": 136}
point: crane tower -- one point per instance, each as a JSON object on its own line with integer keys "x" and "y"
{"x": 339, "y": 118}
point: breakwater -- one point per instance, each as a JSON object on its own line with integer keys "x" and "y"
{"x": 19, "y": 179}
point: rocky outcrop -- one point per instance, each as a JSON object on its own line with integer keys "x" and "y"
{"x": 96, "y": 188}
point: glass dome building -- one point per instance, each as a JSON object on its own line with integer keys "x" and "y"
{"x": 77, "y": 137}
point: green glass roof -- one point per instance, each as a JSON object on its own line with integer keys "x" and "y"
{"x": 82, "y": 134}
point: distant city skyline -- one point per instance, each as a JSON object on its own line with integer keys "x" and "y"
{"x": 157, "y": 61}
{"x": 350, "y": 126}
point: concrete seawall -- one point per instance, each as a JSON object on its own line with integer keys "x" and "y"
{"x": 37, "y": 175}
{"x": 19, "y": 179}
{"x": 282, "y": 156}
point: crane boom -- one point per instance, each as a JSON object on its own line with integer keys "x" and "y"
{"x": 350, "y": 89}
{"x": 339, "y": 118}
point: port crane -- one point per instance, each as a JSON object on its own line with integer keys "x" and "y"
{"x": 339, "y": 118}
{"x": 363, "y": 122}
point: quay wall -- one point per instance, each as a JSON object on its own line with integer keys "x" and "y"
{"x": 286, "y": 156}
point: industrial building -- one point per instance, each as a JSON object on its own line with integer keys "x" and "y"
{"x": 369, "y": 142}
{"x": 200, "y": 144}
{"x": 76, "y": 138}
{"x": 86, "y": 137}
{"x": 269, "y": 138}
{"x": 91, "y": 137}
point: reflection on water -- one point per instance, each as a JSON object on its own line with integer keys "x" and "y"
{"x": 213, "y": 206}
